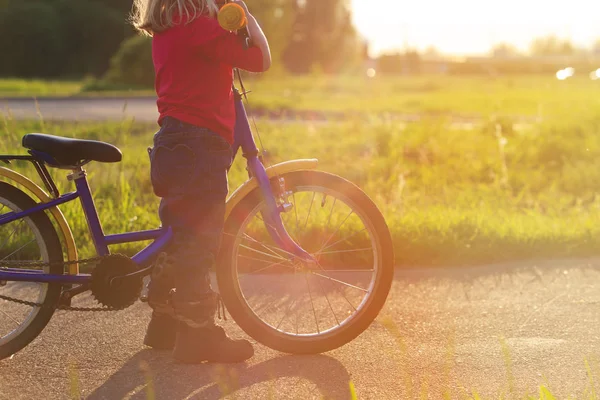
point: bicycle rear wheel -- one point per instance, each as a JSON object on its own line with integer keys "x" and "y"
{"x": 27, "y": 239}
{"x": 302, "y": 308}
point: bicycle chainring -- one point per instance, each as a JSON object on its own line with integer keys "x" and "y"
{"x": 117, "y": 294}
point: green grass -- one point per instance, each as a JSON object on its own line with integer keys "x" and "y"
{"x": 450, "y": 197}
{"x": 480, "y": 96}
{"x": 38, "y": 88}
{"x": 533, "y": 96}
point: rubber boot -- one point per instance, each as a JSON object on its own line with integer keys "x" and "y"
{"x": 161, "y": 332}
{"x": 210, "y": 344}
{"x": 162, "y": 329}
{"x": 199, "y": 340}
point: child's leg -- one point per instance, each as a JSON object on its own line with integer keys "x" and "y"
{"x": 189, "y": 170}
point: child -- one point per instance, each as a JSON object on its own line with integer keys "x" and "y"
{"x": 193, "y": 59}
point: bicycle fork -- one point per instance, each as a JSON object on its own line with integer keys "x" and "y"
{"x": 272, "y": 214}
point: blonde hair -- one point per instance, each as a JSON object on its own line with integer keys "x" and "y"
{"x": 154, "y": 16}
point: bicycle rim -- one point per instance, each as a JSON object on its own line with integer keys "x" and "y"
{"x": 18, "y": 241}
{"x": 301, "y": 301}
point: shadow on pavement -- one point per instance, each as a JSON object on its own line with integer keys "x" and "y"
{"x": 151, "y": 374}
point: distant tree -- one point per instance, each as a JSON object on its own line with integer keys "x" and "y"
{"x": 551, "y": 46}
{"x": 52, "y": 38}
{"x": 92, "y": 33}
{"x": 322, "y": 35}
{"x": 275, "y": 18}
{"x": 503, "y": 50}
{"x": 399, "y": 63}
{"x": 31, "y": 42}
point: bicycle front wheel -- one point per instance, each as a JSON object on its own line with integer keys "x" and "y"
{"x": 306, "y": 308}
{"x": 27, "y": 239}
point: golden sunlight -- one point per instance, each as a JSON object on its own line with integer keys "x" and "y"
{"x": 471, "y": 26}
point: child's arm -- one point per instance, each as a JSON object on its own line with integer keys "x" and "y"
{"x": 257, "y": 35}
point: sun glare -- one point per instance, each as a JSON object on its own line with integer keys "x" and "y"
{"x": 470, "y": 26}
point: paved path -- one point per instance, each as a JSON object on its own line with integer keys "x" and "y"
{"x": 492, "y": 329}
{"x": 144, "y": 109}
{"x": 82, "y": 109}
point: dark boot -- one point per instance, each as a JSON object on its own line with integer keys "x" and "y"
{"x": 199, "y": 339}
{"x": 209, "y": 344}
{"x": 161, "y": 332}
{"x": 162, "y": 329}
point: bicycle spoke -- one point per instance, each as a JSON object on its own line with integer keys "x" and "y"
{"x": 338, "y": 289}
{"x": 20, "y": 248}
{"x": 262, "y": 269}
{"x": 295, "y": 212}
{"x": 345, "y": 251}
{"x": 336, "y": 231}
{"x": 259, "y": 260}
{"x": 11, "y": 318}
{"x": 287, "y": 311}
{"x": 341, "y": 240}
{"x": 330, "y": 307}
{"x": 338, "y": 281}
{"x": 309, "y": 209}
{"x": 11, "y": 235}
{"x": 262, "y": 252}
{"x": 270, "y": 248}
{"x": 296, "y": 308}
{"x": 312, "y": 303}
{"x": 347, "y": 270}
{"x": 273, "y": 247}
{"x": 331, "y": 213}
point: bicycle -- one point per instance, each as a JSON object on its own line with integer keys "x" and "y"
{"x": 299, "y": 230}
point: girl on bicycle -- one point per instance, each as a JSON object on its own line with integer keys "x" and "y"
{"x": 193, "y": 59}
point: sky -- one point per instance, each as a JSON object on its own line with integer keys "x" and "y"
{"x": 470, "y": 27}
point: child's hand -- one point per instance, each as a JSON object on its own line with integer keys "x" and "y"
{"x": 243, "y": 5}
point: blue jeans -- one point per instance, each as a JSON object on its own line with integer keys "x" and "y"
{"x": 188, "y": 168}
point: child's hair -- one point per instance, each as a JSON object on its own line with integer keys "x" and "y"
{"x": 153, "y": 16}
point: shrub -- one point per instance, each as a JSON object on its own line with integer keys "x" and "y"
{"x": 132, "y": 64}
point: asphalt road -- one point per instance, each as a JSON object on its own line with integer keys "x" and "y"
{"x": 498, "y": 330}
{"x": 144, "y": 109}
{"x": 81, "y": 109}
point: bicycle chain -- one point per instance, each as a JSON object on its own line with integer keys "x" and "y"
{"x": 48, "y": 264}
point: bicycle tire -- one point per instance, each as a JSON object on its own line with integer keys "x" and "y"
{"x": 248, "y": 320}
{"x": 17, "y": 200}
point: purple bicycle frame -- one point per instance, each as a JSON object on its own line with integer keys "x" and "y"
{"x": 271, "y": 216}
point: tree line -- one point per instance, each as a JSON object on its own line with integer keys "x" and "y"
{"x": 76, "y": 38}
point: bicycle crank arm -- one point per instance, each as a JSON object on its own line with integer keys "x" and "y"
{"x": 67, "y": 295}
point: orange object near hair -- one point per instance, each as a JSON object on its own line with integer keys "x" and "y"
{"x": 232, "y": 17}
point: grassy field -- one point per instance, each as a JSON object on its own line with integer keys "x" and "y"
{"x": 532, "y": 97}
{"x": 496, "y": 192}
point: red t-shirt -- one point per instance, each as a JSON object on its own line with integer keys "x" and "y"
{"x": 194, "y": 73}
